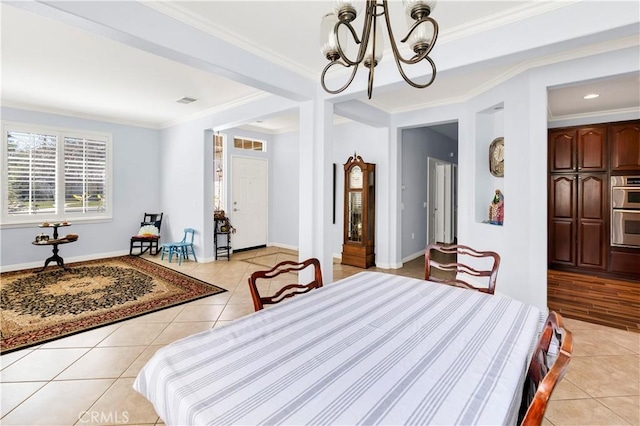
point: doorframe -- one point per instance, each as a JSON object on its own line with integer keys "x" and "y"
{"x": 432, "y": 163}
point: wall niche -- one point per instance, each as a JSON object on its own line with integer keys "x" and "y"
{"x": 489, "y": 171}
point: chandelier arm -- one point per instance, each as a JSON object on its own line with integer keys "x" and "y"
{"x": 423, "y": 52}
{"x": 341, "y": 52}
{"x": 414, "y": 84}
{"x": 364, "y": 39}
{"x": 394, "y": 47}
{"x": 324, "y": 72}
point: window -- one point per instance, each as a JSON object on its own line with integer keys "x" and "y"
{"x": 54, "y": 174}
{"x": 249, "y": 144}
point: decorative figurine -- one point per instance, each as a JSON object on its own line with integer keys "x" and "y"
{"x": 496, "y": 210}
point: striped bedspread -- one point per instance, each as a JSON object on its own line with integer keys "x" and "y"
{"x": 370, "y": 349}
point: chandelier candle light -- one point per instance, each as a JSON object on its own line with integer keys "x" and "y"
{"x": 336, "y": 26}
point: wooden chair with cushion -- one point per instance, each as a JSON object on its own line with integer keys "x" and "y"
{"x": 148, "y": 237}
{"x": 449, "y": 264}
{"x": 288, "y": 290}
{"x": 548, "y": 365}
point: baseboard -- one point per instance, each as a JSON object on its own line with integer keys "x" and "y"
{"x": 284, "y": 246}
{"x": 413, "y": 256}
{"x": 67, "y": 260}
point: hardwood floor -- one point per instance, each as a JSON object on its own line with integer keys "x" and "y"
{"x": 614, "y": 303}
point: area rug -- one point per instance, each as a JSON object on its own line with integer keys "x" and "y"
{"x": 37, "y": 307}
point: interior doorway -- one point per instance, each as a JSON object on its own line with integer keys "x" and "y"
{"x": 249, "y": 202}
{"x": 442, "y": 201}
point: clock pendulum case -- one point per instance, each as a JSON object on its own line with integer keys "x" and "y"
{"x": 358, "y": 248}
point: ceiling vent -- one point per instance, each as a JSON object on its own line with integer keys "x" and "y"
{"x": 186, "y": 100}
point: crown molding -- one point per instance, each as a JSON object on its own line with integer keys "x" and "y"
{"x": 527, "y": 10}
{"x": 75, "y": 114}
{"x": 595, "y": 49}
{"x": 174, "y": 10}
{"x": 591, "y": 115}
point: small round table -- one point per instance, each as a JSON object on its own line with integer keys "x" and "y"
{"x": 55, "y": 242}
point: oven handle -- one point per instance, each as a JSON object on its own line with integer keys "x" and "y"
{"x": 626, "y": 210}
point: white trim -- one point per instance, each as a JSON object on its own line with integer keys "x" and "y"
{"x": 599, "y": 114}
{"x": 413, "y": 256}
{"x": 284, "y": 246}
{"x": 7, "y": 221}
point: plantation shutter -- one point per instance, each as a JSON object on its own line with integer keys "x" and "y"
{"x": 85, "y": 174}
{"x": 31, "y": 173}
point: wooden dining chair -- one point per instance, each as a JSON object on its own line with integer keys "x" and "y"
{"x": 548, "y": 365}
{"x": 449, "y": 264}
{"x": 288, "y": 290}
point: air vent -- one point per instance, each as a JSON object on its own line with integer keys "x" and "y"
{"x": 186, "y": 100}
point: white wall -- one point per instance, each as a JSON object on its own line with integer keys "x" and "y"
{"x": 418, "y": 144}
{"x": 283, "y": 190}
{"x": 371, "y": 144}
{"x": 522, "y": 241}
{"x": 136, "y": 190}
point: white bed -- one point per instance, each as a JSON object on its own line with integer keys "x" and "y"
{"x": 370, "y": 349}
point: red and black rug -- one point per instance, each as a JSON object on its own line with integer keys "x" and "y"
{"x": 37, "y": 307}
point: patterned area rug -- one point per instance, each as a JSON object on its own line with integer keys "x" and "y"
{"x": 40, "y": 307}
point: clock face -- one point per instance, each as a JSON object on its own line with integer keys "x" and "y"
{"x": 496, "y": 157}
{"x": 355, "y": 178}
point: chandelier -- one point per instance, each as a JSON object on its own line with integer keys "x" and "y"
{"x": 336, "y": 28}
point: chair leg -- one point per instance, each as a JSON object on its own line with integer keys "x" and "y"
{"x": 194, "y": 254}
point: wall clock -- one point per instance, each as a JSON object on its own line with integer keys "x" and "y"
{"x": 496, "y": 157}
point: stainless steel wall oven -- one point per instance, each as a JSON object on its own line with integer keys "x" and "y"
{"x": 625, "y": 211}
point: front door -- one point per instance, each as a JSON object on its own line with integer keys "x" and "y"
{"x": 249, "y": 202}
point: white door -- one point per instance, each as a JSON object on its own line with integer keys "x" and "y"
{"x": 249, "y": 202}
{"x": 441, "y": 202}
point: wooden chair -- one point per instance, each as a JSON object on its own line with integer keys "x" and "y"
{"x": 289, "y": 290}
{"x": 548, "y": 365}
{"x": 458, "y": 273}
{"x": 150, "y": 242}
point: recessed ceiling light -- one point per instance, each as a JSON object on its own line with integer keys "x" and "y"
{"x": 186, "y": 100}
{"x": 591, "y": 96}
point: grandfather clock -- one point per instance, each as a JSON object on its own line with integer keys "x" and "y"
{"x": 359, "y": 213}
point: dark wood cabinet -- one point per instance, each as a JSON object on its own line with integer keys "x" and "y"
{"x": 578, "y": 197}
{"x": 578, "y": 220}
{"x": 625, "y": 146}
{"x": 578, "y": 149}
{"x": 563, "y": 199}
{"x": 562, "y": 150}
{"x": 359, "y": 213}
{"x": 592, "y": 220}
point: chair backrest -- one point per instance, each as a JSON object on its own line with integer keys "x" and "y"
{"x": 187, "y": 232}
{"x": 288, "y": 290}
{"x": 153, "y": 218}
{"x": 548, "y": 365}
{"x": 439, "y": 259}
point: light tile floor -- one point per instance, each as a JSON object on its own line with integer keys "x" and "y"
{"x": 87, "y": 379}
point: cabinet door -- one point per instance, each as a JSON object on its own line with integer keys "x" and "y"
{"x": 592, "y": 149}
{"x": 592, "y": 220}
{"x": 625, "y": 146}
{"x": 562, "y": 150}
{"x": 562, "y": 220}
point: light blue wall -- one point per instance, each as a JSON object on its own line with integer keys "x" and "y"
{"x": 417, "y": 145}
{"x": 136, "y": 189}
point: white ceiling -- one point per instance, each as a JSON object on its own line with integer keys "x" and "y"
{"x": 52, "y": 66}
